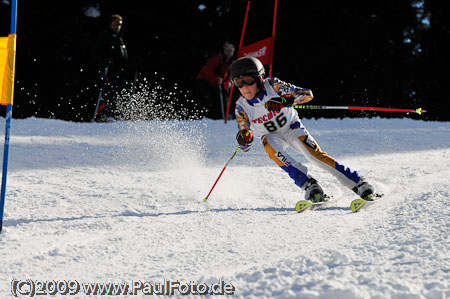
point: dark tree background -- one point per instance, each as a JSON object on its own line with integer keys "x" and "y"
{"x": 380, "y": 53}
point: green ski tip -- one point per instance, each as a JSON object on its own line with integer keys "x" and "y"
{"x": 204, "y": 199}
{"x": 357, "y": 204}
{"x": 302, "y": 205}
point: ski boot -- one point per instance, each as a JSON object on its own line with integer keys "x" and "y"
{"x": 313, "y": 192}
{"x": 365, "y": 190}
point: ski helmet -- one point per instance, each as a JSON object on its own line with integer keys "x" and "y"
{"x": 247, "y": 66}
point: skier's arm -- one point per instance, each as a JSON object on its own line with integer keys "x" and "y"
{"x": 244, "y": 128}
{"x": 298, "y": 94}
{"x": 242, "y": 118}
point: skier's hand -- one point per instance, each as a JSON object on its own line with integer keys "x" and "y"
{"x": 276, "y": 104}
{"x": 245, "y": 139}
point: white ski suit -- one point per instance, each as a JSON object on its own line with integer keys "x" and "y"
{"x": 283, "y": 129}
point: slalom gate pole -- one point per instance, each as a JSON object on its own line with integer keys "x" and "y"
{"x": 9, "y": 110}
{"x": 273, "y": 34}
{"x": 418, "y": 111}
{"x": 234, "y": 154}
{"x": 5, "y": 162}
{"x": 240, "y": 46}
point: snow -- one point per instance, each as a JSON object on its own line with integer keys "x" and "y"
{"x": 122, "y": 202}
{"x": 92, "y": 11}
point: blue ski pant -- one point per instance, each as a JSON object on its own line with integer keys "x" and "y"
{"x": 301, "y": 141}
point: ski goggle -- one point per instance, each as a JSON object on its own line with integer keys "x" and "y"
{"x": 245, "y": 80}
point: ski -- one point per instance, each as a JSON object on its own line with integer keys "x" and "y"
{"x": 359, "y": 204}
{"x": 304, "y": 205}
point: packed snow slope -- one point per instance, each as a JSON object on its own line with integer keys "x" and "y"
{"x": 122, "y": 202}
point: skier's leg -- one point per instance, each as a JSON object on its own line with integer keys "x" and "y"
{"x": 302, "y": 141}
{"x": 275, "y": 146}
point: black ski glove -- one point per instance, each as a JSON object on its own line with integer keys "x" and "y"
{"x": 245, "y": 139}
{"x": 276, "y": 104}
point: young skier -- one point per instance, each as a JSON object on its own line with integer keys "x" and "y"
{"x": 264, "y": 111}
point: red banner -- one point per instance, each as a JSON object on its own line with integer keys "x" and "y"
{"x": 263, "y": 50}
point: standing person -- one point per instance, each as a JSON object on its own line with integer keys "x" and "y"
{"x": 261, "y": 111}
{"x": 213, "y": 82}
{"x": 113, "y": 55}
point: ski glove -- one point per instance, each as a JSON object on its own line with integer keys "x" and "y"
{"x": 245, "y": 139}
{"x": 276, "y": 104}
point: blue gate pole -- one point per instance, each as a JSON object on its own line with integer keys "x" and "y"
{"x": 9, "y": 109}
{"x": 5, "y": 162}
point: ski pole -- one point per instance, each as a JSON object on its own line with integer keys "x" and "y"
{"x": 234, "y": 154}
{"x": 105, "y": 74}
{"x": 221, "y": 100}
{"x": 133, "y": 88}
{"x": 418, "y": 111}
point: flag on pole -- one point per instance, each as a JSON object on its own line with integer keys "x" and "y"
{"x": 263, "y": 50}
{"x": 7, "y": 68}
